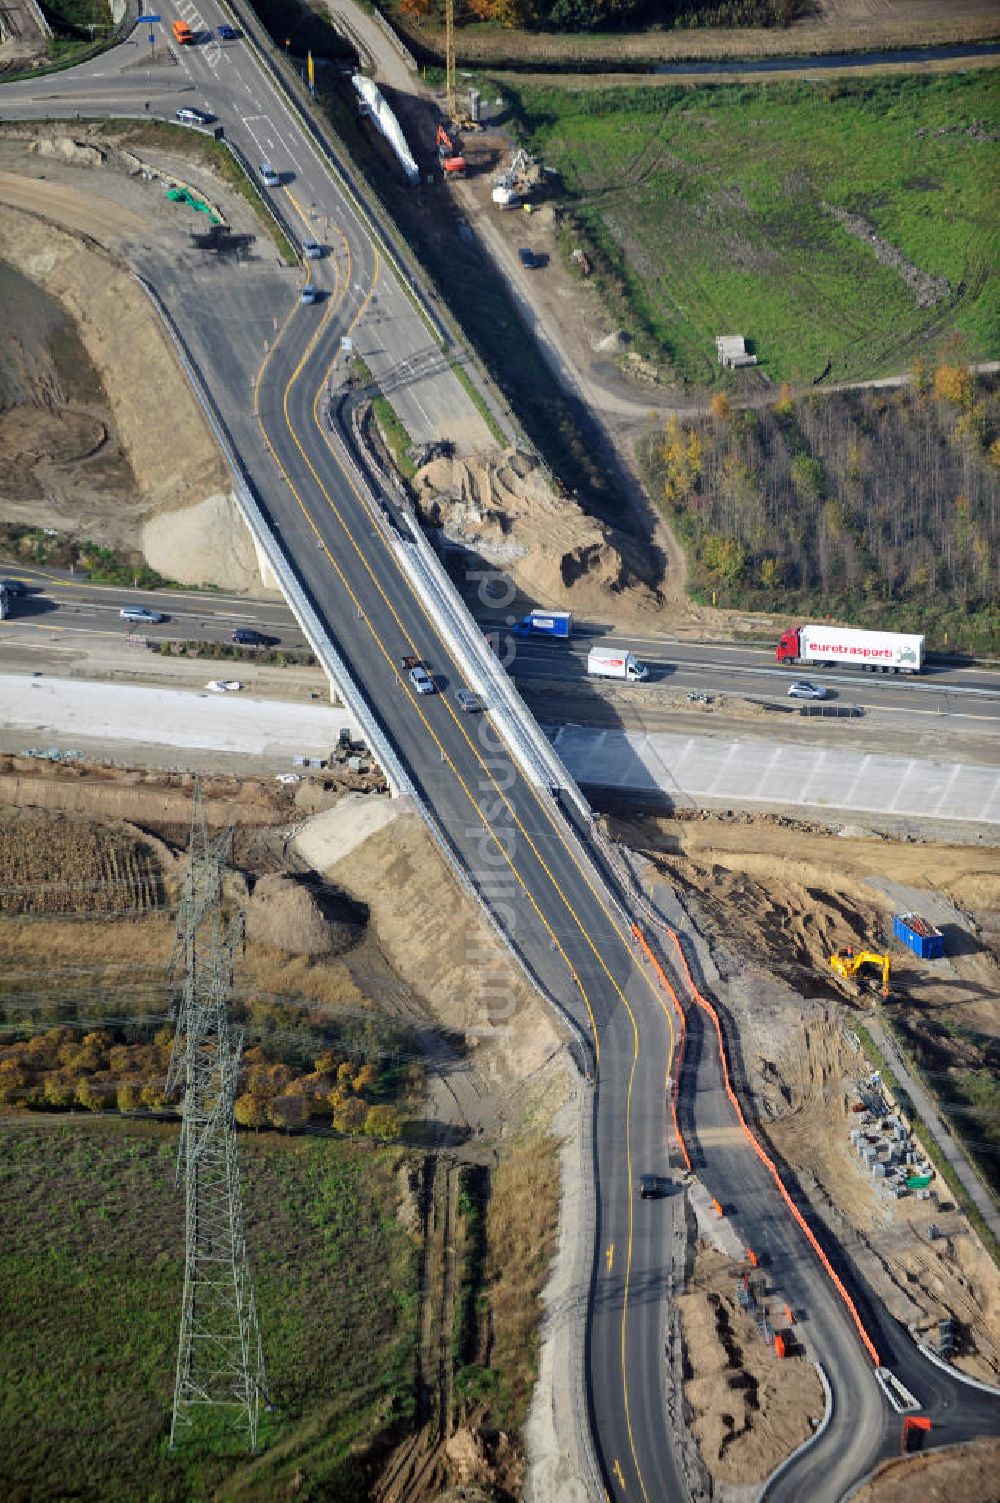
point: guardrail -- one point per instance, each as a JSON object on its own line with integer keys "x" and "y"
{"x": 393, "y": 36}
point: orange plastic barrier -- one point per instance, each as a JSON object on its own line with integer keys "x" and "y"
{"x": 779, "y": 1346}
{"x": 679, "y": 1052}
{"x": 800, "y": 1219}
{"x": 751, "y": 1257}
{"x": 789, "y": 1315}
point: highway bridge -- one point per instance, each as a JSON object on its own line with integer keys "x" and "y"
{"x": 522, "y": 843}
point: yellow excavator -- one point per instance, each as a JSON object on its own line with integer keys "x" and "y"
{"x": 848, "y": 964}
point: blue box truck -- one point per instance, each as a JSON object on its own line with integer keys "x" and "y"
{"x": 544, "y": 624}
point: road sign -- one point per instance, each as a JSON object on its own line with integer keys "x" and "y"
{"x": 147, "y": 19}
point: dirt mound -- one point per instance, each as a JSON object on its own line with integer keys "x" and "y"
{"x": 285, "y": 913}
{"x": 78, "y": 153}
{"x": 750, "y": 1408}
{"x": 969, "y": 1471}
{"x": 208, "y": 542}
{"x": 502, "y": 508}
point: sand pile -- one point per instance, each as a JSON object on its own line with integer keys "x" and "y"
{"x": 750, "y": 1408}
{"x": 284, "y": 913}
{"x": 501, "y": 507}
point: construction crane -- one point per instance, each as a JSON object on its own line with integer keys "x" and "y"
{"x": 847, "y": 964}
{"x": 449, "y": 61}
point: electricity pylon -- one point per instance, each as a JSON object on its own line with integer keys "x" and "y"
{"x": 220, "y": 1360}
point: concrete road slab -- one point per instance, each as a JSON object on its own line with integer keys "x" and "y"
{"x": 760, "y": 772}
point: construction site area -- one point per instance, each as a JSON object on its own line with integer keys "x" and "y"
{"x": 348, "y": 914}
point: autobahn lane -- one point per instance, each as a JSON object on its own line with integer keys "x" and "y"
{"x": 716, "y": 668}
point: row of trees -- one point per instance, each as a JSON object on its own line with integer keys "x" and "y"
{"x": 58, "y": 1070}
{"x": 838, "y": 501}
{"x": 594, "y": 15}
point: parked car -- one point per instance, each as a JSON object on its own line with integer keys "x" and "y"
{"x": 803, "y": 689}
{"x": 268, "y": 176}
{"x": 247, "y": 636}
{"x": 528, "y": 259}
{"x": 224, "y": 685}
{"x": 287, "y": 778}
{"x": 312, "y": 250}
{"x": 421, "y": 679}
{"x": 468, "y": 701}
{"x": 309, "y": 294}
{"x": 188, "y": 115}
{"x": 141, "y": 613}
{"x": 228, "y": 33}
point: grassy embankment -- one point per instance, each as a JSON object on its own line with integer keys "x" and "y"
{"x": 91, "y": 1266}
{"x": 708, "y": 211}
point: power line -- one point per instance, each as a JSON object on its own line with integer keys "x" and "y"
{"x": 220, "y": 1358}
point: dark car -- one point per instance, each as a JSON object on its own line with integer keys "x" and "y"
{"x": 649, "y": 1187}
{"x": 246, "y": 636}
{"x": 15, "y": 587}
{"x": 228, "y": 33}
{"x": 528, "y": 258}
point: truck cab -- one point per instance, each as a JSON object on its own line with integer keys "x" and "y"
{"x": 787, "y": 650}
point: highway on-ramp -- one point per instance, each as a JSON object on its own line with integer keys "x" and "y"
{"x": 512, "y": 839}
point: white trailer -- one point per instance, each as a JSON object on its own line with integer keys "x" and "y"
{"x": 831, "y": 646}
{"x": 615, "y": 662}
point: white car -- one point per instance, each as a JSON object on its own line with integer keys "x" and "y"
{"x": 287, "y": 777}
{"x": 803, "y": 689}
{"x": 224, "y": 685}
{"x": 421, "y": 679}
{"x": 312, "y": 250}
{"x": 268, "y": 176}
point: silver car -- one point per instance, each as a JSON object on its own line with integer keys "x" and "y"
{"x": 421, "y": 679}
{"x": 268, "y": 176}
{"x": 803, "y": 689}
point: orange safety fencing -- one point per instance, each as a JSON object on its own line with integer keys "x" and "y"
{"x": 758, "y": 1149}
{"x": 679, "y": 1051}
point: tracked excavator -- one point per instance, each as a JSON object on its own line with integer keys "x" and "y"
{"x": 857, "y": 966}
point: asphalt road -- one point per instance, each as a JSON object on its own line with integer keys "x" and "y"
{"x": 513, "y": 841}
{"x": 968, "y": 696}
{"x": 67, "y": 606}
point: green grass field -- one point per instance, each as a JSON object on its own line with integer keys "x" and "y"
{"x": 712, "y": 207}
{"x": 90, "y": 1280}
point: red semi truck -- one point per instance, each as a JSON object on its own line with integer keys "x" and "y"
{"x": 872, "y": 651}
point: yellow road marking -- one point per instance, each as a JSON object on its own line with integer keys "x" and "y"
{"x": 610, "y": 1256}
{"x": 619, "y": 1474}
{"x": 447, "y": 759}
